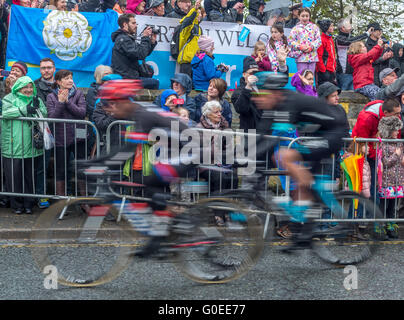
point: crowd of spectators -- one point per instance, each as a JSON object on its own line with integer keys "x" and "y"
{"x": 327, "y": 61}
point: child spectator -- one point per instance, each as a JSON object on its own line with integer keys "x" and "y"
{"x": 168, "y": 98}
{"x": 277, "y": 41}
{"x": 361, "y": 61}
{"x": 392, "y": 175}
{"x": 327, "y": 61}
{"x": 260, "y": 56}
{"x": 303, "y": 81}
{"x": 203, "y": 67}
{"x": 304, "y": 40}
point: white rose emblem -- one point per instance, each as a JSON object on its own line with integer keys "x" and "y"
{"x": 66, "y": 34}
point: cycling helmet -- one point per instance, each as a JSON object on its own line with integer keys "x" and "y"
{"x": 119, "y": 89}
{"x": 271, "y": 80}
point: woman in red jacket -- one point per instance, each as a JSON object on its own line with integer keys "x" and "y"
{"x": 361, "y": 61}
{"x": 327, "y": 62}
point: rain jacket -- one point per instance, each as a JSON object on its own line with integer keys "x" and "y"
{"x": 16, "y": 135}
{"x": 189, "y": 46}
{"x": 397, "y": 61}
{"x": 220, "y": 14}
{"x": 308, "y": 34}
{"x": 203, "y": 70}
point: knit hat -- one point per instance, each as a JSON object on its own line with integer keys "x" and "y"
{"x": 249, "y": 63}
{"x": 324, "y": 25}
{"x": 387, "y": 125}
{"x": 22, "y": 66}
{"x": 205, "y": 43}
{"x": 326, "y": 88}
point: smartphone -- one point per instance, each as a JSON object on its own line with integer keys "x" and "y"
{"x": 178, "y": 101}
{"x": 4, "y": 73}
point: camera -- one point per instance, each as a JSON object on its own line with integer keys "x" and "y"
{"x": 222, "y": 67}
{"x": 155, "y": 30}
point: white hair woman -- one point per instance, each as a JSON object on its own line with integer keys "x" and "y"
{"x": 212, "y": 116}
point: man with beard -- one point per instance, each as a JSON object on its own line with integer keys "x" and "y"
{"x": 45, "y": 82}
{"x": 127, "y": 52}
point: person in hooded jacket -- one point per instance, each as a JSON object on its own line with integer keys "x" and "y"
{"x": 327, "y": 61}
{"x": 257, "y": 14}
{"x": 221, "y": 13}
{"x": 18, "y": 154}
{"x": 181, "y": 83}
{"x": 181, "y": 9}
{"x": 156, "y": 9}
{"x": 398, "y": 59}
{"x": 293, "y": 18}
{"x": 135, "y": 6}
{"x": 127, "y": 52}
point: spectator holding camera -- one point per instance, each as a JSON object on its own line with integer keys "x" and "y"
{"x": 203, "y": 67}
{"x": 127, "y": 52}
{"x": 221, "y": 13}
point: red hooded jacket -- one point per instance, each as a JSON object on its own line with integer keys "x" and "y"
{"x": 363, "y": 73}
{"x": 327, "y": 60}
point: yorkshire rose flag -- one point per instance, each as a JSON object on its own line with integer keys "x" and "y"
{"x": 77, "y": 41}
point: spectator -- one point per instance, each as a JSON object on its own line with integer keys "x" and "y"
{"x": 181, "y": 9}
{"x": 327, "y": 61}
{"x": 30, "y": 3}
{"x": 188, "y": 39}
{"x": 91, "y": 97}
{"x": 392, "y": 188}
{"x": 167, "y": 100}
{"x": 203, "y": 67}
{"x": 342, "y": 43}
{"x": 293, "y": 18}
{"x": 216, "y": 90}
{"x": 184, "y": 115}
{"x": 276, "y": 17}
{"x": 18, "y": 70}
{"x": 383, "y": 61}
{"x": 182, "y": 84}
{"x": 156, "y": 9}
{"x": 303, "y": 81}
{"x": 277, "y": 41}
{"x": 135, "y": 6}
{"x": 127, "y": 52}
{"x": 398, "y": 59}
{"x": 363, "y": 74}
{"x": 45, "y": 82}
{"x": 67, "y": 102}
{"x": 212, "y": 119}
{"x": 221, "y": 13}
{"x": 58, "y": 5}
{"x": 391, "y": 85}
{"x": 20, "y": 157}
{"x": 304, "y": 40}
{"x": 120, "y": 6}
{"x": 260, "y": 56}
{"x": 257, "y": 14}
{"x": 169, "y": 6}
{"x": 242, "y": 95}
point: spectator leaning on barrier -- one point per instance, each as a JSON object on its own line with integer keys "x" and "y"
{"x": 181, "y": 9}
{"x": 67, "y": 102}
{"x": 398, "y": 59}
{"x": 127, "y": 52}
{"x": 216, "y": 90}
{"x": 203, "y": 67}
{"x": 257, "y": 14}
{"x": 45, "y": 82}
{"x": 20, "y": 157}
{"x": 221, "y": 13}
{"x": 327, "y": 61}
{"x": 391, "y": 85}
{"x": 342, "y": 43}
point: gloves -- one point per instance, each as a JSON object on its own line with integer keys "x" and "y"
{"x": 32, "y": 107}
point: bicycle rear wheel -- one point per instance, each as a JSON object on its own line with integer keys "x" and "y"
{"x": 88, "y": 249}
{"x": 347, "y": 242}
{"x": 237, "y": 245}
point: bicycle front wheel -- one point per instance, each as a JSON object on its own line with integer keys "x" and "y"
{"x": 354, "y": 241}
{"x": 87, "y": 247}
{"x": 236, "y": 247}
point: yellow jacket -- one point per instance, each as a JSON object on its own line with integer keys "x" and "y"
{"x": 189, "y": 27}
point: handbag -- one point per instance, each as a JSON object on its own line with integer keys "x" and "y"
{"x": 145, "y": 70}
{"x": 37, "y": 136}
{"x": 48, "y": 141}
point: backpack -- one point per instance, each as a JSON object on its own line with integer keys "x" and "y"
{"x": 175, "y": 41}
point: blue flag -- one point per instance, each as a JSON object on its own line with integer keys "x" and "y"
{"x": 77, "y": 41}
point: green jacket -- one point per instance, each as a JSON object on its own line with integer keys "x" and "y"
{"x": 16, "y": 135}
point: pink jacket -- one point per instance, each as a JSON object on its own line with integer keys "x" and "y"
{"x": 263, "y": 65}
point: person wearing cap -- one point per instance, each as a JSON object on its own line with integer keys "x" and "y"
{"x": 384, "y": 61}
{"x": 342, "y": 42}
{"x": 327, "y": 61}
{"x": 156, "y": 9}
{"x": 203, "y": 67}
{"x": 391, "y": 84}
{"x": 18, "y": 70}
{"x": 257, "y": 14}
{"x": 221, "y": 13}
{"x": 293, "y": 18}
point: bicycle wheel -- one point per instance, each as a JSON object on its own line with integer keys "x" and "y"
{"x": 237, "y": 247}
{"x": 348, "y": 242}
{"x": 87, "y": 249}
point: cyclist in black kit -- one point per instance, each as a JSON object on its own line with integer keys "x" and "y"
{"x": 310, "y": 116}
